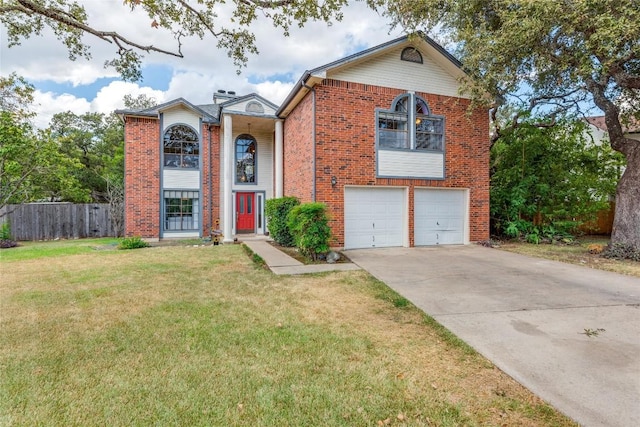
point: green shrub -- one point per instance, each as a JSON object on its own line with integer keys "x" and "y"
{"x": 5, "y": 231}
{"x": 134, "y": 242}
{"x": 309, "y": 225}
{"x": 276, "y": 211}
{"x": 558, "y": 231}
{"x": 5, "y": 237}
{"x": 622, "y": 251}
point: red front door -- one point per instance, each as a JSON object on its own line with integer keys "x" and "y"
{"x": 245, "y": 217}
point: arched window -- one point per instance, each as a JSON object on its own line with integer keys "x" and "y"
{"x": 411, "y": 54}
{"x": 181, "y": 147}
{"x": 405, "y": 128}
{"x": 245, "y": 159}
{"x": 254, "y": 107}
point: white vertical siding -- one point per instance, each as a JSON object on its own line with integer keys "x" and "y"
{"x": 389, "y": 71}
{"x": 181, "y": 115}
{"x": 414, "y": 164}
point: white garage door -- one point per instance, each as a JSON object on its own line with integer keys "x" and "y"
{"x": 374, "y": 217}
{"x": 440, "y": 217}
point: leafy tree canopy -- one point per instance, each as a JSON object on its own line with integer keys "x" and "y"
{"x": 547, "y": 57}
{"x": 182, "y": 18}
{"x": 544, "y": 178}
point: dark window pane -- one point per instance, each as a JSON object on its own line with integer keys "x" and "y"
{"x": 245, "y": 159}
{"x": 181, "y": 147}
{"x": 181, "y": 210}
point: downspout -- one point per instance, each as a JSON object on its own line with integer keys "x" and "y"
{"x": 313, "y": 137}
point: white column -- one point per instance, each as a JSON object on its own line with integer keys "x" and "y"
{"x": 279, "y": 154}
{"x": 228, "y": 217}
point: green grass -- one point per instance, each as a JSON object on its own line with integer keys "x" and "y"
{"x": 184, "y": 335}
{"x": 57, "y": 248}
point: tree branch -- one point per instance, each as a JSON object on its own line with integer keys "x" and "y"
{"x": 611, "y": 116}
{"x": 31, "y": 7}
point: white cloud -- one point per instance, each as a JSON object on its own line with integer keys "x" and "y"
{"x": 274, "y": 91}
{"x": 46, "y": 104}
{"x": 203, "y": 70}
{"x": 110, "y": 97}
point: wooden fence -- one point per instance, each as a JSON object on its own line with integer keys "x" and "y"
{"x": 50, "y": 221}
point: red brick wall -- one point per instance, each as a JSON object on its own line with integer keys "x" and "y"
{"x": 210, "y": 193}
{"x": 345, "y": 148}
{"x": 298, "y": 151}
{"x": 142, "y": 177}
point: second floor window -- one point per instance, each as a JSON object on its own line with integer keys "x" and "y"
{"x": 245, "y": 159}
{"x": 181, "y": 147}
{"x": 409, "y": 125}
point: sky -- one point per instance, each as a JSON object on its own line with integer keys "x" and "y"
{"x": 86, "y": 86}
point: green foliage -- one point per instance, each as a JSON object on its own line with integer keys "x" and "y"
{"x": 5, "y": 231}
{"x": 309, "y": 225}
{"x": 5, "y": 236}
{"x": 134, "y": 242}
{"x": 95, "y": 142}
{"x": 30, "y": 159}
{"x": 622, "y": 251}
{"x": 277, "y": 211}
{"x": 546, "y": 180}
{"x": 68, "y": 20}
{"x": 16, "y": 96}
{"x": 560, "y": 231}
{"x": 548, "y": 58}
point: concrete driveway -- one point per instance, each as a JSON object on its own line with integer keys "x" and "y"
{"x": 570, "y": 334}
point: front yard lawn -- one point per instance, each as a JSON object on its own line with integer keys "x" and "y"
{"x": 184, "y": 335}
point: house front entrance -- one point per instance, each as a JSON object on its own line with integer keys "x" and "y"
{"x": 245, "y": 213}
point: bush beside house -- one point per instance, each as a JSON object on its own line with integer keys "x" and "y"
{"x": 276, "y": 211}
{"x": 309, "y": 225}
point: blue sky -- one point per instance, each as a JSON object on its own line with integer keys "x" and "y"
{"x": 82, "y": 86}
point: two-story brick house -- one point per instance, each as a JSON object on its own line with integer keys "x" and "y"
{"x": 382, "y": 137}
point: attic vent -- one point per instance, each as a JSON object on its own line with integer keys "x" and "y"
{"x": 411, "y": 54}
{"x": 254, "y": 107}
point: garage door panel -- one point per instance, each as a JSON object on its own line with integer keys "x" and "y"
{"x": 440, "y": 217}
{"x": 374, "y": 217}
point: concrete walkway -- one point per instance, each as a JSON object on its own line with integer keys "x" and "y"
{"x": 568, "y": 333}
{"x": 281, "y": 263}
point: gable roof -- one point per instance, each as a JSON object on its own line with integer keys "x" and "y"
{"x": 244, "y": 98}
{"x": 316, "y": 75}
{"x": 208, "y": 114}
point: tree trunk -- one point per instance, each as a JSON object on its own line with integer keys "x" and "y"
{"x": 626, "y": 224}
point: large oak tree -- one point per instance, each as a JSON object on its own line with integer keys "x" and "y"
{"x": 182, "y": 18}
{"x": 549, "y": 58}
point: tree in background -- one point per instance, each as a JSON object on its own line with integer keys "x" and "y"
{"x": 547, "y": 58}
{"x": 29, "y": 158}
{"x": 78, "y": 158}
{"x": 546, "y": 181}
{"x": 69, "y": 21}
